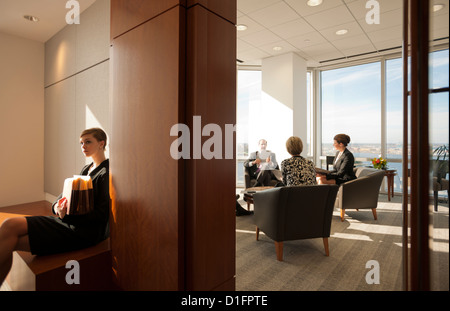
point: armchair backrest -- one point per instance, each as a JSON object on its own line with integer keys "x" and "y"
{"x": 291, "y": 213}
{"x": 362, "y": 192}
{"x": 440, "y": 168}
{"x": 365, "y": 171}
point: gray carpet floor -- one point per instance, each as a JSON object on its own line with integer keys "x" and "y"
{"x": 352, "y": 244}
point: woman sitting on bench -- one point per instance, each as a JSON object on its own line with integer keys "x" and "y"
{"x": 43, "y": 235}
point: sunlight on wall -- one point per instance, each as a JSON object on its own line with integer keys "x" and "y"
{"x": 92, "y": 121}
{"x": 61, "y": 59}
{"x": 271, "y": 120}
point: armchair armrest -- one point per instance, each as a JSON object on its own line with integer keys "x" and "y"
{"x": 267, "y": 215}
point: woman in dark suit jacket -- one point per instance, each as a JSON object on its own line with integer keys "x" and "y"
{"x": 43, "y": 235}
{"x": 343, "y": 163}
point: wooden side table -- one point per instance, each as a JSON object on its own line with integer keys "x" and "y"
{"x": 248, "y": 194}
{"x": 390, "y": 180}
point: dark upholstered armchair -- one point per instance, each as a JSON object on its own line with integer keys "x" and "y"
{"x": 362, "y": 192}
{"x": 440, "y": 183}
{"x": 249, "y": 182}
{"x": 294, "y": 213}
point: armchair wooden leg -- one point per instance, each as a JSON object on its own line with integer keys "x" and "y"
{"x": 279, "y": 250}
{"x": 257, "y": 234}
{"x": 436, "y": 197}
{"x": 374, "y": 212}
{"x": 342, "y": 214}
{"x": 325, "y": 245}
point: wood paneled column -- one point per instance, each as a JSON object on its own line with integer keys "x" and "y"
{"x": 172, "y": 221}
{"x": 210, "y": 184}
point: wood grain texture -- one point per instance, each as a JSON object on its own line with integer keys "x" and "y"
{"x": 210, "y": 191}
{"x": 226, "y": 8}
{"x": 173, "y": 221}
{"x": 145, "y": 180}
{"x": 126, "y": 14}
{"x": 43, "y": 273}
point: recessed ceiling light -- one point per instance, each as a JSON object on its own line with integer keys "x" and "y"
{"x": 437, "y": 7}
{"x": 314, "y": 2}
{"x": 341, "y": 32}
{"x": 241, "y": 27}
{"x": 277, "y": 48}
{"x": 31, "y": 18}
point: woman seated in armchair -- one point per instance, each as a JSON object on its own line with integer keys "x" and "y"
{"x": 297, "y": 170}
{"x": 343, "y": 163}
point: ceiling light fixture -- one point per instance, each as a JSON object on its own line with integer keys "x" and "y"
{"x": 437, "y": 7}
{"x": 31, "y": 18}
{"x": 314, "y": 2}
{"x": 277, "y": 48}
{"x": 241, "y": 27}
{"x": 341, "y": 32}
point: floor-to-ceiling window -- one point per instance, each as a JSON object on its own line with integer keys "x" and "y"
{"x": 351, "y": 100}
{"x": 309, "y": 101}
{"x": 249, "y": 94}
{"x": 439, "y": 101}
{"x": 439, "y": 113}
{"x": 351, "y": 104}
{"x": 394, "y": 117}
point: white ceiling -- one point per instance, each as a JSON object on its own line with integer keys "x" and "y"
{"x": 52, "y": 15}
{"x": 290, "y": 24}
{"x": 311, "y": 31}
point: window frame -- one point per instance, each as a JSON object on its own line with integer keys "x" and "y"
{"x": 315, "y": 103}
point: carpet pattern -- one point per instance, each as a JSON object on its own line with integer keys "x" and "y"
{"x": 352, "y": 244}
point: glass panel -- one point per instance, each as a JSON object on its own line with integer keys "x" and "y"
{"x": 439, "y": 117}
{"x": 351, "y": 104}
{"x": 439, "y": 144}
{"x": 439, "y": 69}
{"x": 308, "y": 111}
{"x": 249, "y": 92}
{"x": 394, "y": 118}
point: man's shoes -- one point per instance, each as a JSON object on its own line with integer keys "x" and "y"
{"x": 242, "y": 212}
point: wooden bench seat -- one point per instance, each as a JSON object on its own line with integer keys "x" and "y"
{"x": 45, "y": 273}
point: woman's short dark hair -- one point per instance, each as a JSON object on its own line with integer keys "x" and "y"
{"x": 342, "y": 138}
{"x": 98, "y": 134}
{"x": 294, "y": 145}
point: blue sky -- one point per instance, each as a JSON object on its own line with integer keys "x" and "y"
{"x": 351, "y": 101}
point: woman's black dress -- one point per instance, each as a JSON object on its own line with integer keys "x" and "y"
{"x": 50, "y": 234}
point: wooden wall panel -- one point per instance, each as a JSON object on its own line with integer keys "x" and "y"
{"x": 210, "y": 192}
{"x": 173, "y": 221}
{"x": 145, "y": 180}
{"x": 128, "y": 14}
{"x": 224, "y": 8}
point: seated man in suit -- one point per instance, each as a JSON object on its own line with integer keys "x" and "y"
{"x": 263, "y": 165}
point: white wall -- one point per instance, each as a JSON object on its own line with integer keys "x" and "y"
{"x": 76, "y": 92}
{"x": 282, "y": 112}
{"x": 21, "y": 120}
